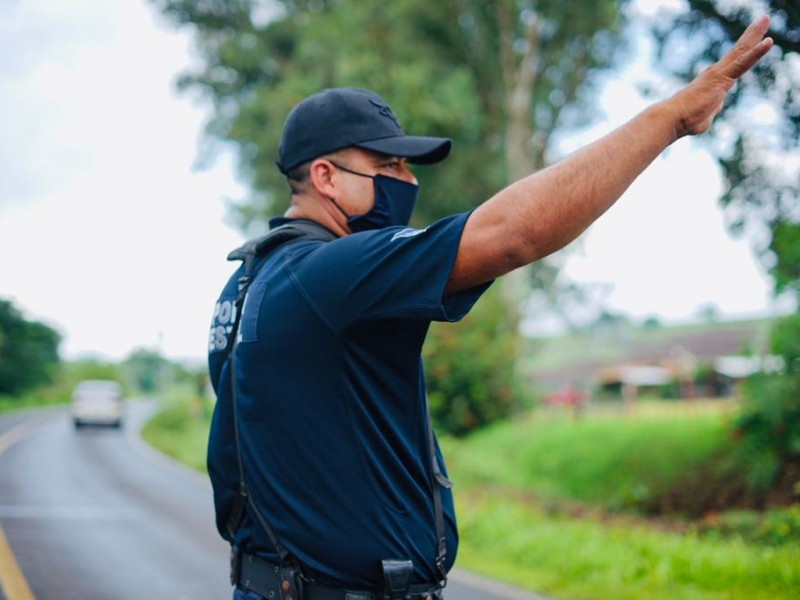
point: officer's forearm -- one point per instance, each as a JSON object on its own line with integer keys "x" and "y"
{"x": 552, "y": 207}
{"x": 547, "y": 210}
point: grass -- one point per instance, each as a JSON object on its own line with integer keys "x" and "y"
{"x": 612, "y": 461}
{"x": 518, "y": 483}
{"x": 595, "y": 559}
{"x": 180, "y": 430}
{"x": 28, "y": 400}
{"x": 528, "y": 495}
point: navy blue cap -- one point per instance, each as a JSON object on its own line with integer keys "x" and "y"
{"x": 341, "y": 117}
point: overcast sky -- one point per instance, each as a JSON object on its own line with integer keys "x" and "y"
{"x": 108, "y": 234}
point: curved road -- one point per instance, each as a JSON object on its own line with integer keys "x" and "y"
{"x": 96, "y": 514}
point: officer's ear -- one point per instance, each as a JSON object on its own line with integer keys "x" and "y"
{"x": 322, "y": 175}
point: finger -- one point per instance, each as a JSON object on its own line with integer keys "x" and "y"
{"x": 746, "y": 61}
{"x": 756, "y": 30}
{"x": 749, "y": 48}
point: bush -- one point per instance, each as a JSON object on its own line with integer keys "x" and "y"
{"x": 768, "y": 427}
{"x": 778, "y": 528}
{"x": 28, "y": 352}
{"x": 59, "y": 391}
{"x": 470, "y": 367}
{"x": 180, "y": 428}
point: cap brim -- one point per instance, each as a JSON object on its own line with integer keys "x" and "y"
{"x": 417, "y": 149}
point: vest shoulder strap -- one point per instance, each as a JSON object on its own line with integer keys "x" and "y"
{"x": 299, "y": 229}
{"x": 260, "y": 248}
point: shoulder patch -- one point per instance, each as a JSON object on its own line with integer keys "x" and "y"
{"x": 221, "y": 324}
{"x": 407, "y": 233}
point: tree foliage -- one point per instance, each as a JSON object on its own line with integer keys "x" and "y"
{"x": 146, "y": 370}
{"x": 28, "y": 351}
{"x": 470, "y": 369}
{"x": 76, "y": 371}
{"x": 756, "y": 142}
{"x": 760, "y": 161}
{"x": 500, "y": 78}
{"x": 769, "y": 425}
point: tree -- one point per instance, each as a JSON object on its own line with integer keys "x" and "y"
{"x": 761, "y": 167}
{"x": 760, "y": 163}
{"x": 470, "y": 369}
{"x": 90, "y": 368}
{"x": 501, "y": 78}
{"x": 28, "y": 351}
{"x": 768, "y": 426}
{"x": 146, "y": 370}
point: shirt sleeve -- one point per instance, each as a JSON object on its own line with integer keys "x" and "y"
{"x": 391, "y": 273}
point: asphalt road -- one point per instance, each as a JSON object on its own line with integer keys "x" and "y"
{"x": 96, "y": 514}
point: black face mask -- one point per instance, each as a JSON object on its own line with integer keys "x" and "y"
{"x": 394, "y": 203}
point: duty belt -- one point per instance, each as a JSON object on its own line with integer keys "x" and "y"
{"x": 270, "y": 581}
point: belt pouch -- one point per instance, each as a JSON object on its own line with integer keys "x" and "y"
{"x": 396, "y": 578}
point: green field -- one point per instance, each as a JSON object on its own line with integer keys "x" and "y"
{"x": 539, "y": 505}
{"x": 585, "y": 557}
{"x": 610, "y": 460}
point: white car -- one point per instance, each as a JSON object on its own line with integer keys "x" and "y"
{"x": 97, "y": 402}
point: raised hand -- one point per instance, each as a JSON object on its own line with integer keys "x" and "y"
{"x": 700, "y": 101}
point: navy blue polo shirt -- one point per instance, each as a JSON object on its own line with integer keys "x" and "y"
{"x": 331, "y": 401}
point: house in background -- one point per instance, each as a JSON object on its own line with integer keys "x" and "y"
{"x": 706, "y": 360}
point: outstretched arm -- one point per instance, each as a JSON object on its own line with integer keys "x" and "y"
{"x": 545, "y": 211}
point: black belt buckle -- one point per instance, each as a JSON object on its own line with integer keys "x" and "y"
{"x": 396, "y": 579}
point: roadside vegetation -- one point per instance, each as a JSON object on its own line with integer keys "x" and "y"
{"x": 569, "y": 508}
{"x": 180, "y": 428}
{"x": 659, "y": 499}
{"x": 572, "y": 509}
{"x": 607, "y": 459}
{"x": 57, "y": 387}
{"x": 703, "y": 504}
{"x": 585, "y": 556}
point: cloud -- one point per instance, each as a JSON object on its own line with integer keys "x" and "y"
{"x": 105, "y": 230}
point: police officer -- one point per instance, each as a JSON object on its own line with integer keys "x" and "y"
{"x": 327, "y": 478}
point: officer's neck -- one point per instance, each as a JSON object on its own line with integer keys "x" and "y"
{"x": 317, "y": 209}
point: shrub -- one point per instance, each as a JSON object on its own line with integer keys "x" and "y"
{"x": 768, "y": 427}
{"x": 470, "y": 367}
{"x": 778, "y": 528}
